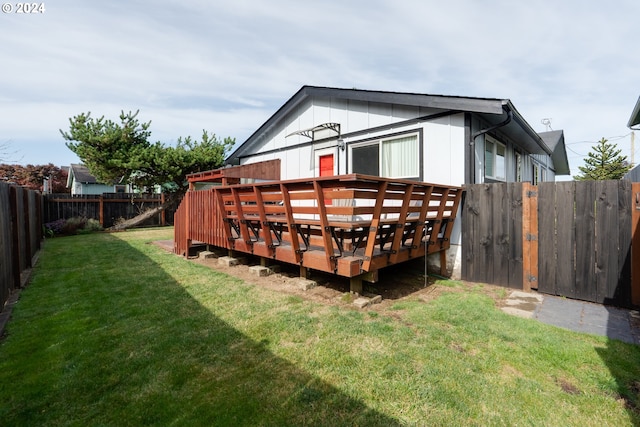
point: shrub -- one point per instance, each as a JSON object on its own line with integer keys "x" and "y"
{"x": 71, "y": 226}
{"x": 55, "y": 227}
{"x": 92, "y": 225}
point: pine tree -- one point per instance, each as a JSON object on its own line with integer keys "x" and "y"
{"x": 121, "y": 152}
{"x": 604, "y": 162}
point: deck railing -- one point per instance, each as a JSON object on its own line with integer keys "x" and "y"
{"x": 347, "y": 224}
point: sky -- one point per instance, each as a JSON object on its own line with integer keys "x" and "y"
{"x": 227, "y": 66}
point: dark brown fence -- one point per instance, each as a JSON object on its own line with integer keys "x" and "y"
{"x": 108, "y": 208}
{"x": 20, "y": 235}
{"x": 568, "y": 238}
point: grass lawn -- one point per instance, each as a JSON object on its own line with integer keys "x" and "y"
{"x": 116, "y": 331}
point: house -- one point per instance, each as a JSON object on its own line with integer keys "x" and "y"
{"x": 449, "y": 140}
{"x": 80, "y": 181}
{"x": 444, "y": 139}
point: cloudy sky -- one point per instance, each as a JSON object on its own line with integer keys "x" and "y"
{"x": 227, "y": 66}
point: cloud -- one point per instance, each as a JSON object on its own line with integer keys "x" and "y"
{"x": 227, "y": 66}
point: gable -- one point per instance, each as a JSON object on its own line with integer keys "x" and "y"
{"x": 355, "y": 110}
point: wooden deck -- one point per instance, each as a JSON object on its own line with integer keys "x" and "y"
{"x": 349, "y": 225}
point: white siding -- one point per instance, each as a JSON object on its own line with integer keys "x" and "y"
{"x": 444, "y": 150}
{"x": 443, "y": 139}
{"x": 91, "y": 188}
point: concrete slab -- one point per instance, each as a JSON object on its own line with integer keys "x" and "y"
{"x": 527, "y": 296}
{"x": 361, "y": 302}
{"x": 306, "y": 284}
{"x": 575, "y": 315}
{"x": 586, "y": 317}
{"x": 228, "y": 261}
{"x": 260, "y": 271}
{"x": 518, "y": 312}
{"x": 207, "y": 255}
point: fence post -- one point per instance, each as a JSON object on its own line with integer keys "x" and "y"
{"x": 101, "y": 210}
{"x": 163, "y": 216}
{"x": 635, "y": 244}
{"x": 529, "y": 236}
{"x": 15, "y": 236}
{"x": 27, "y": 228}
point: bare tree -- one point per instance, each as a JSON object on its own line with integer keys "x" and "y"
{"x": 6, "y": 152}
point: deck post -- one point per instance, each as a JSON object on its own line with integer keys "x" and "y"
{"x": 355, "y": 285}
{"x": 265, "y": 262}
{"x": 304, "y": 272}
{"x": 443, "y": 263}
{"x": 355, "y": 282}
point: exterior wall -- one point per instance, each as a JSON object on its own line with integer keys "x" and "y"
{"x": 442, "y": 140}
{"x": 444, "y": 150}
{"x": 542, "y": 161}
{"x": 80, "y": 188}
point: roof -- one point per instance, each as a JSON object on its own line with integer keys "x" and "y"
{"x": 555, "y": 140}
{"x": 81, "y": 174}
{"x": 492, "y": 110}
{"x": 634, "y": 120}
{"x": 633, "y": 175}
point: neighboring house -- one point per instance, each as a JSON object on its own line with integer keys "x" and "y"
{"x": 46, "y": 182}
{"x": 449, "y": 140}
{"x": 633, "y": 175}
{"x": 80, "y": 181}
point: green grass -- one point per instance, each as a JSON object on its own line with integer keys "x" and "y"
{"x": 115, "y": 331}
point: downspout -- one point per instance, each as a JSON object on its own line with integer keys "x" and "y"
{"x": 472, "y": 143}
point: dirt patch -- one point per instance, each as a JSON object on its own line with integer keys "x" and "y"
{"x": 567, "y": 387}
{"x": 406, "y": 280}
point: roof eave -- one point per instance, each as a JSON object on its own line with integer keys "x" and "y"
{"x": 634, "y": 120}
{"x": 555, "y": 140}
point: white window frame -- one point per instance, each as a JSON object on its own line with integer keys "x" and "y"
{"x": 381, "y": 155}
{"x": 518, "y": 162}
{"x": 494, "y": 163}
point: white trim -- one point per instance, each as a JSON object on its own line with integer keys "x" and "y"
{"x": 379, "y": 141}
{"x": 325, "y": 152}
{"x": 496, "y": 144}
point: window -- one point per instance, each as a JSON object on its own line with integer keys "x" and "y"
{"x": 494, "y": 159}
{"x": 389, "y": 158}
{"x": 518, "y": 165}
{"x": 365, "y": 160}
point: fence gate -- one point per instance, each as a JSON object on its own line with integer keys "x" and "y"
{"x": 563, "y": 238}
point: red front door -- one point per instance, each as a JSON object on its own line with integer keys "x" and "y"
{"x": 326, "y": 169}
{"x": 326, "y": 165}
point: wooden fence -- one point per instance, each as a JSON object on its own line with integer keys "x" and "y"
{"x": 107, "y": 208}
{"x": 20, "y": 235}
{"x": 572, "y": 239}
